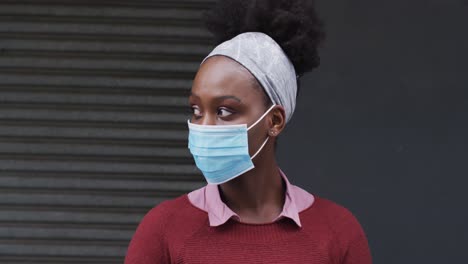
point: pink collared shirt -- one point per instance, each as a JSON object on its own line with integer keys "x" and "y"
{"x": 209, "y": 200}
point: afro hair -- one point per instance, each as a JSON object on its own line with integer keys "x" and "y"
{"x": 293, "y": 24}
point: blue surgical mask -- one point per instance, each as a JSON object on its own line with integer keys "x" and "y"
{"x": 221, "y": 152}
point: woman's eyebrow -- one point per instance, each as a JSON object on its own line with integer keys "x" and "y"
{"x": 223, "y": 97}
{"x": 194, "y": 95}
{"x": 229, "y": 97}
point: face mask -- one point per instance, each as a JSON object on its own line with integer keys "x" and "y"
{"x": 221, "y": 152}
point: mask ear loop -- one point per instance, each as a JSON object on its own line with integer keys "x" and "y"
{"x": 258, "y": 120}
{"x": 261, "y": 147}
{"x": 268, "y": 137}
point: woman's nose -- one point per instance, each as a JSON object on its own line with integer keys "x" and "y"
{"x": 208, "y": 119}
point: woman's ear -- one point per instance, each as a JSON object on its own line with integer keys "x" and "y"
{"x": 278, "y": 121}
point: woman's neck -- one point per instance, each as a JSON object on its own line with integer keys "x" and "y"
{"x": 258, "y": 195}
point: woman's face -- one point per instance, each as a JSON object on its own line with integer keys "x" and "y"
{"x": 225, "y": 93}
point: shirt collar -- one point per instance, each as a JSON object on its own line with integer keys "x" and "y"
{"x": 209, "y": 200}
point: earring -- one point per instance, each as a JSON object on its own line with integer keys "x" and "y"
{"x": 273, "y": 133}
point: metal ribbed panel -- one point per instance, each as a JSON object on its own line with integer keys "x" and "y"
{"x": 92, "y": 122}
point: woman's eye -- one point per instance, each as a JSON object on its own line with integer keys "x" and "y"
{"x": 224, "y": 112}
{"x": 195, "y": 111}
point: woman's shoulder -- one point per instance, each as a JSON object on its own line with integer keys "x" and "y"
{"x": 163, "y": 226}
{"x": 172, "y": 219}
{"x": 343, "y": 228}
{"x": 170, "y": 208}
{"x": 335, "y": 216}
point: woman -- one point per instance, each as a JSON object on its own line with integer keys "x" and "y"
{"x": 242, "y": 97}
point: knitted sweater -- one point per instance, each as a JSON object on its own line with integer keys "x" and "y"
{"x": 175, "y": 231}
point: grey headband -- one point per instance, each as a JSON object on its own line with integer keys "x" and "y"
{"x": 265, "y": 59}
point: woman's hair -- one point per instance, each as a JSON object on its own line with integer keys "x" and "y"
{"x": 293, "y": 24}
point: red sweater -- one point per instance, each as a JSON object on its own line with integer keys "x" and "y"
{"x": 175, "y": 231}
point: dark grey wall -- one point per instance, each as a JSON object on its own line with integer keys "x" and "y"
{"x": 381, "y": 127}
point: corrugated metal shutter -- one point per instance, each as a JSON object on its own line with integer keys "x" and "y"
{"x": 92, "y": 122}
